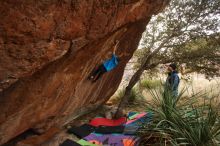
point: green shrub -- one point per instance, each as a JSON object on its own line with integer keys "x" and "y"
{"x": 135, "y": 95}
{"x": 150, "y": 84}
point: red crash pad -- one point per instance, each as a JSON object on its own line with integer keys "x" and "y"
{"x": 107, "y": 122}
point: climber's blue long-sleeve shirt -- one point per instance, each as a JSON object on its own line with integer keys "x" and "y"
{"x": 111, "y": 63}
{"x": 172, "y": 83}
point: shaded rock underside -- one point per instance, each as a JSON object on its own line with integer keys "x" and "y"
{"x": 48, "y": 49}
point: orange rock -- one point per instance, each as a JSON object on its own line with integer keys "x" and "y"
{"x": 47, "y": 50}
{"x": 38, "y": 140}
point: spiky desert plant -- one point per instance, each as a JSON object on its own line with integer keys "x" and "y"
{"x": 183, "y": 121}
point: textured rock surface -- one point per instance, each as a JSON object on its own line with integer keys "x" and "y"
{"x": 49, "y": 47}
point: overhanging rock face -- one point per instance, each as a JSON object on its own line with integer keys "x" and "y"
{"x": 49, "y": 47}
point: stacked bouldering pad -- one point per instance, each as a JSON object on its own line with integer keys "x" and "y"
{"x": 107, "y": 132}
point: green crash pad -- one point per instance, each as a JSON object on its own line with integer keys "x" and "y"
{"x": 85, "y": 143}
{"x": 133, "y": 116}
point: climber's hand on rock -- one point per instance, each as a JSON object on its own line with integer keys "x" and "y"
{"x": 116, "y": 44}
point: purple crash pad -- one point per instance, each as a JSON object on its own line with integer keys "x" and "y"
{"x": 112, "y": 139}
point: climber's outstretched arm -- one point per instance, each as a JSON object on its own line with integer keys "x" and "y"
{"x": 115, "y": 47}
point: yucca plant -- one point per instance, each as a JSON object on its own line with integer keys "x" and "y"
{"x": 135, "y": 96}
{"x": 183, "y": 120}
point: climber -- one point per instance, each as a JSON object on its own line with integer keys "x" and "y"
{"x": 107, "y": 66}
{"x": 172, "y": 82}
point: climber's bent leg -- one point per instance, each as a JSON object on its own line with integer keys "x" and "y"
{"x": 100, "y": 71}
{"x": 94, "y": 73}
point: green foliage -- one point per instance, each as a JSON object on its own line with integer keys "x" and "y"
{"x": 135, "y": 96}
{"x": 139, "y": 55}
{"x": 150, "y": 84}
{"x": 187, "y": 32}
{"x": 184, "y": 122}
{"x": 200, "y": 55}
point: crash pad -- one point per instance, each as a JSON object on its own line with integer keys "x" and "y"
{"x": 131, "y": 115}
{"x": 113, "y": 139}
{"x": 138, "y": 120}
{"x": 107, "y": 122}
{"x": 110, "y": 129}
{"x": 130, "y": 130}
{"x": 82, "y": 142}
{"x": 136, "y": 117}
{"x": 82, "y": 130}
{"x": 69, "y": 142}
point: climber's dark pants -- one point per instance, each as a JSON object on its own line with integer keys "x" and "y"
{"x": 97, "y": 73}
